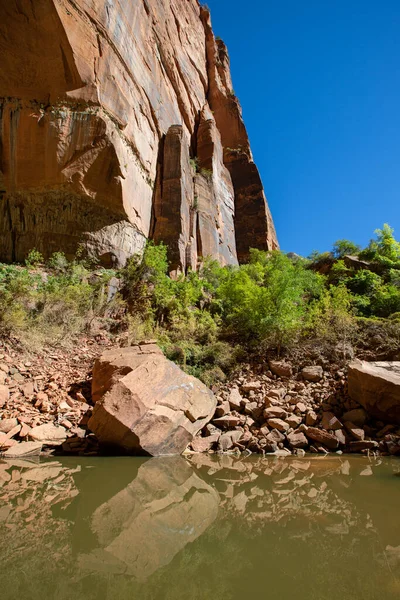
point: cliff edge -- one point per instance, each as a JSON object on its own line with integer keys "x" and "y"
{"x": 118, "y": 123}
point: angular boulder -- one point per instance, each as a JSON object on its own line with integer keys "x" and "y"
{"x": 322, "y": 437}
{"x": 145, "y": 404}
{"x": 23, "y": 449}
{"x": 48, "y": 434}
{"x": 376, "y": 386}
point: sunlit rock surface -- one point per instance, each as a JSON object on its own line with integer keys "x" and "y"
{"x": 146, "y": 404}
{"x": 101, "y": 106}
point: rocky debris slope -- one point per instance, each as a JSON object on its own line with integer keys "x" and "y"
{"x": 45, "y": 399}
{"x": 46, "y": 403}
{"x": 119, "y": 123}
{"x": 285, "y": 411}
{"x": 145, "y": 404}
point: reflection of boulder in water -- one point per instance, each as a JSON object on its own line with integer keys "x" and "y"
{"x": 145, "y": 525}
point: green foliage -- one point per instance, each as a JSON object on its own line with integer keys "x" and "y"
{"x": 199, "y": 319}
{"x": 339, "y": 273}
{"x": 58, "y": 261}
{"x": 342, "y": 248}
{"x": 195, "y": 164}
{"x": 208, "y": 320}
{"x": 265, "y": 301}
{"x": 386, "y": 301}
{"x": 330, "y": 317}
{"x": 52, "y": 304}
{"x": 385, "y": 249}
{"x": 365, "y": 283}
{"x": 375, "y": 289}
{"x": 319, "y": 259}
{"x": 34, "y": 258}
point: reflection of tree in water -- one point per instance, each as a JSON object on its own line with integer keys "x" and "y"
{"x": 216, "y": 528}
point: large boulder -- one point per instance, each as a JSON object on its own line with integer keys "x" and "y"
{"x": 145, "y": 404}
{"x": 376, "y": 386}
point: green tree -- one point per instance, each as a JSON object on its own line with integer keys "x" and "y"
{"x": 343, "y": 247}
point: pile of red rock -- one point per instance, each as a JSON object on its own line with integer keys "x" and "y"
{"x": 286, "y": 412}
{"x": 44, "y": 399}
{"x": 46, "y": 404}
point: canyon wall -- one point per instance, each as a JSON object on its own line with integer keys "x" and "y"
{"x": 118, "y": 123}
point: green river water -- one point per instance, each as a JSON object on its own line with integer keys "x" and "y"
{"x": 315, "y": 528}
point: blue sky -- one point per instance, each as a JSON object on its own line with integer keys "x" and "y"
{"x": 319, "y": 83}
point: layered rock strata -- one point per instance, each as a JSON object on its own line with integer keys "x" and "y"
{"x": 118, "y": 123}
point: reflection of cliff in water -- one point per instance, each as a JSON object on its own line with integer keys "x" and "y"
{"x": 166, "y": 528}
{"x": 146, "y": 524}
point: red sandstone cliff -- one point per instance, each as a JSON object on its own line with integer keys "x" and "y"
{"x": 118, "y": 123}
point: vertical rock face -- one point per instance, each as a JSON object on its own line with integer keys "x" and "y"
{"x": 118, "y": 123}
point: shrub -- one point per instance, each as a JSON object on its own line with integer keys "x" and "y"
{"x": 34, "y": 258}
{"x": 51, "y": 306}
{"x": 58, "y": 261}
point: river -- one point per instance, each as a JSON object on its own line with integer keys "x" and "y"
{"x": 202, "y": 528}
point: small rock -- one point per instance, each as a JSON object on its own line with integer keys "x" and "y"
{"x": 28, "y": 390}
{"x": 322, "y": 437}
{"x": 7, "y": 424}
{"x": 205, "y": 444}
{"x": 280, "y": 368}
{"x": 6, "y": 443}
{"x": 222, "y": 409}
{"x": 275, "y": 411}
{"x": 329, "y": 421}
{"x": 235, "y": 399}
{"x": 278, "y": 424}
{"x": 275, "y": 436}
{"x": 23, "y": 449}
{"x": 340, "y": 435}
{"x": 228, "y": 439}
{"x": 25, "y": 430}
{"x": 294, "y": 421}
{"x": 227, "y": 421}
{"x": 210, "y": 429}
{"x": 358, "y": 416}
{"x": 357, "y": 433}
{"x": 63, "y": 407}
{"x": 4, "y": 394}
{"x": 314, "y": 373}
{"x": 48, "y": 434}
{"x": 363, "y": 445}
{"x": 251, "y": 386}
{"x": 311, "y": 418}
{"x": 276, "y": 393}
{"x": 297, "y": 440}
{"x": 13, "y": 432}
{"x": 18, "y": 377}
{"x": 299, "y": 452}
